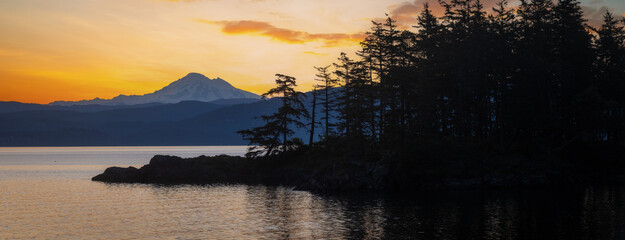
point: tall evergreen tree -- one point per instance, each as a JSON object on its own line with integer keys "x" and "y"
{"x": 326, "y": 87}
{"x": 381, "y": 51}
{"x": 575, "y": 95}
{"x": 534, "y": 86}
{"x": 354, "y": 108}
{"x": 504, "y": 62}
{"x": 274, "y": 134}
{"x": 428, "y": 101}
{"x": 313, "y": 119}
{"x": 610, "y": 75}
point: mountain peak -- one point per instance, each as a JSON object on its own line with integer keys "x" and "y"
{"x": 197, "y": 80}
{"x": 197, "y": 77}
{"x": 194, "y": 75}
{"x": 192, "y": 87}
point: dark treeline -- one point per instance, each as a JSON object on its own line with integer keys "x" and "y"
{"x": 535, "y": 78}
{"x": 528, "y": 80}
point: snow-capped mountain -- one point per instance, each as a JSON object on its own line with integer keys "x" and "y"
{"x": 193, "y": 87}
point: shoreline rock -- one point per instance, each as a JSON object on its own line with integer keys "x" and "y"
{"x": 301, "y": 175}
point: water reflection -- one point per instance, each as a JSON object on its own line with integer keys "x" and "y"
{"x": 52, "y": 208}
{"x": 46, "y": 193}
{"x": 68, "y": 208}
{"x": 602, "y": 214}
{"x": 500, "y": 220}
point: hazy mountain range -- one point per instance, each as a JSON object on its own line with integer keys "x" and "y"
{"x": 193, "y": 87}
{"x": 119, "y": 123}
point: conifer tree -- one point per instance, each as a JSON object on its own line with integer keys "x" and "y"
{"x": 574, "y": 93}
{"x": 313, "y": 119}
{"x": 272, "y": 136}
{"x": 326, "y": 87}
{"x": 610, "y": 75}
{"x": 504, "y": 62}
{"x": 354, "y": 102}
{"x": 428, "y": 101}
{"x": 534, "y": 84}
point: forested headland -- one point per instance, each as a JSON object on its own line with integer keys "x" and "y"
{"x": 470, "y": 92}
{"x": 520, "y": 95}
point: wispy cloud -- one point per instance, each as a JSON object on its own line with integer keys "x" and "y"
{"x": 594, "y": 15}
{"x": 265, "y": 29}
{"x": 189, "y": 1}
{"x": 180, "y": 0}
{"x": 405, "y": 13}
{"x": 316, "y": 53}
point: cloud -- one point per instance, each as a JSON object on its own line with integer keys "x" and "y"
{"x": 594, "y": 15}
{"x": 189, "y": 1}
{"x": 265, "y": 29}
{"x": 280, "y": 15}
{"x": 316, "y": 53}
{"x": 406, "y": 13}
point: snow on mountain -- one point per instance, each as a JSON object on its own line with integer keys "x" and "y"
{"x": 193, "y": 87}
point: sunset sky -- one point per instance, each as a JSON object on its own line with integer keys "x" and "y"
{"x": 82, "y": 49}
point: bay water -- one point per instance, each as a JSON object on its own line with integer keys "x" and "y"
{"x": 47, "y": 193}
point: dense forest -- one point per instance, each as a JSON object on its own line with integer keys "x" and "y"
{"x": 532, "y": 81}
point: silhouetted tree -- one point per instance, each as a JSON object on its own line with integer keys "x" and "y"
{"x": 575, "y": 94}
{"x": 610, "y": 75}
{"x": 313, "y": 119}
{"x": 428, "y": 101}
{"x": 504, "y": 62}
{"x": 533, "y": 85}
{"x": 326, "y": 86}
{"x": 269, "y": 137}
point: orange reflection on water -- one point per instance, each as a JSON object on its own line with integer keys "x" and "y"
{"x": 77, "y": 209}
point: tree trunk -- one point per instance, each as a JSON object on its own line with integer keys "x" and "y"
{"x": 312, "y": 123}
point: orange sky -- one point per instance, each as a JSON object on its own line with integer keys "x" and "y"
{"x": 78, "y": 49}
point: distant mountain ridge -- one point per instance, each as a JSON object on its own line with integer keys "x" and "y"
{"x": 192, "y": 87}
{"x": 175, "y": 124}
{"x": 11, "y": 107}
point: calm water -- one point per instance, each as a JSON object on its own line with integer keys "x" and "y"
{"x": 46, "y": 193}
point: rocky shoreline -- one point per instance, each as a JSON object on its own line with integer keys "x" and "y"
{"x": 175, "y": 170}
{"x": 305, "y": 175}
{"x": 239, "y": 170}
